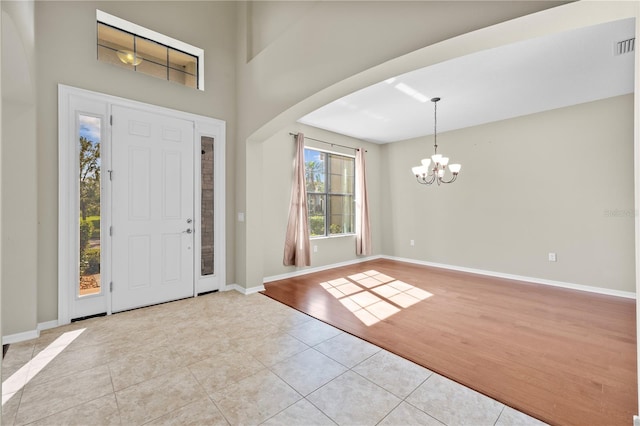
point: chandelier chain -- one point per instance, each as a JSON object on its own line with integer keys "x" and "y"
{"x": 435, "y": 126}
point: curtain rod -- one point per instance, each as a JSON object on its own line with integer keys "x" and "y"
{"x": 328, "y": 143}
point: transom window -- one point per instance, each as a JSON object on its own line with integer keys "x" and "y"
{"x": 131, "y": 46}
{"x": 330, "y": 181}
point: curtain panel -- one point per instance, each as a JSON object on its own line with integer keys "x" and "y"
{"x": 297, "y": 244}
{"x": 363, "y": 227}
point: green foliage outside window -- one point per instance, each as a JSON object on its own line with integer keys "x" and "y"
{"x": 329, "y": 180}
{"x": 316, "y": 226}
{"x": 92, "y": 261}
{"x": 89, "y": 178}
{"x": 86, "y": 229}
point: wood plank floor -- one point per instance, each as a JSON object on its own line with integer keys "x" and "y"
{"x": 563, "y": 356}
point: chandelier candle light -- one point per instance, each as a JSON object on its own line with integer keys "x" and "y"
{"x": 426, "y": 175}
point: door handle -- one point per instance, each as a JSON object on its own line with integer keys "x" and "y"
{"x": 188, "y": 231}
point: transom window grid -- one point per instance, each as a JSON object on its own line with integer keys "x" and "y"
{"x": 330, "y": 185}
{"x": 137, "y": 53}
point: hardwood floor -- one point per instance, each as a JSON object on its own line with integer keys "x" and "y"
{"x": 563, "y": 356}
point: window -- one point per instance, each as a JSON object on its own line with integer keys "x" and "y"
{"x": 89, "y": 131}
{"x": 330, "y": 181}
{"x": 207, "y": 207}
{"x": 131, "y": 46}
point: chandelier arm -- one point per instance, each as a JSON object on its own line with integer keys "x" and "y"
{"x": 455, "y": 176}
{"x": 423, "y": 179}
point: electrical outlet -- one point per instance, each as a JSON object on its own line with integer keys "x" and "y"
{"x": 315, "y": 249}
{"x": 553, "y": 257}
{"x": 412, "y": 243}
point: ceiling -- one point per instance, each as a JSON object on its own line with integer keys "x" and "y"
{"x": 523, "y": 78}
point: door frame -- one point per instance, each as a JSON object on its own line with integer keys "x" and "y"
{"x": 73, "y": 101}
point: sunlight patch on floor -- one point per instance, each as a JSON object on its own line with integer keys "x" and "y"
{"x": 372, "y": 296}
{"x": 20, "y": 378}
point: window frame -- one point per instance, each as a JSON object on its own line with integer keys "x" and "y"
{"x": 328, "y": 192}
{"x": 140, "y": 31}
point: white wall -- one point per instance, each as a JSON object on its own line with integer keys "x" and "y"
{"x": 558, "y": 181}
{"x": 277, "y": 177}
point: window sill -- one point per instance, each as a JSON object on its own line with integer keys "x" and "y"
{"x": 329, "y": 237}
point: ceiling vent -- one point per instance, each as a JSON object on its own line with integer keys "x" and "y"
{"x": 624, "y": 46}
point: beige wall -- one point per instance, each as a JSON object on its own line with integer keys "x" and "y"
{"x": 19, "y": 171}
{"x": 559, "y": 181}
{"x": 65, "y": 52}
{"x": 19, "y": 233}
{"x": 309, "y": 48}
{"x": 293, "y": 67}
{"x": 332, "y": 48}
{"x": 529, "y": 186}
{"x": 277, "y": 176}
{"x": 327, "y": 43}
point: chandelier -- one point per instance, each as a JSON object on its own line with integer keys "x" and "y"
{"x": 427, "y": 173}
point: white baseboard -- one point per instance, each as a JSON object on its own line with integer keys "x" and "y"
{"x": 318, "y": 269}
{"x": 47, "y": 325}
{"x": 31, "y": 334}
{"x": 245, "y": 291}
{"x": 599, "y": 290}
{"x": 20, "y": 337}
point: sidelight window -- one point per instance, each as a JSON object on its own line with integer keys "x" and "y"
{"x": 89, "y": 138}
{"x": 207, "y": 207}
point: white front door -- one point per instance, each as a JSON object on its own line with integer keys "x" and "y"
{"x": 153, "y": 208}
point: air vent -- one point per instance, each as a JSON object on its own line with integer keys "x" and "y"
{"x": 624, "y": 46}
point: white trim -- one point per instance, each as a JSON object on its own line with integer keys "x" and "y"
{"x": 47, "y": 325}
{"x": 341, "y": 154}
{"x": 217, "y": 131}
{"x": 636, "y": 190}
{"x": 136, "y": 29}
{"x": 318, "y": 269}
{"x": 245, "y": 291}
{"x": 71, "y": 104}
{"x": 65, "y": 248}
{"x": 580, "y": 287}
{"x": 20, "y": 337}
{"x": 31, "y": 334}
{"x": 67, "y": 232}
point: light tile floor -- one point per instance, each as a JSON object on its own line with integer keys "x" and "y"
{"x": 226, "y": 358}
